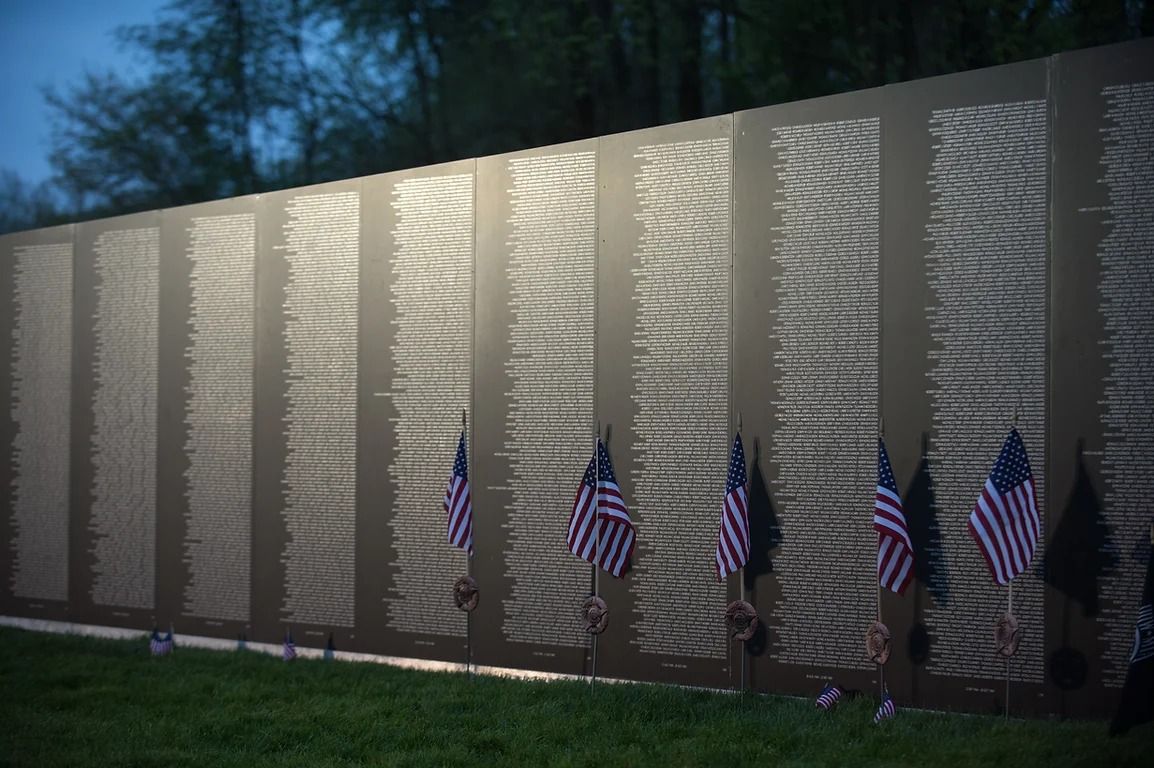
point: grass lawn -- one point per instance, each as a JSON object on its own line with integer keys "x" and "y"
{"x": 82, "y": 701}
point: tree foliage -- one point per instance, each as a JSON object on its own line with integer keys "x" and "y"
{"x": 25, "y": 206}
{"x": 239, "y": 96}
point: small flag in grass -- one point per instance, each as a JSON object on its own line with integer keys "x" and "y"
{"x": 289, "y": 652}
{"x": 160, "y": 646}
{"x": 330, "y": 648}
{"x": 828, "y": 697}
{"x": 887, "y": 708}
{"x": 241, "y": 642}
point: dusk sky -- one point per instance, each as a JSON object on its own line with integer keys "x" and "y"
{"x": 51, "y": 43}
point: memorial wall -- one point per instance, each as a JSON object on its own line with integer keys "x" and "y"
{"x": 807, "y": 262}
{"x": 535, "y": 365}
{"x": 205, "y": 419}
{"x": 239, "y": 417}
{"x": 963, "y": 357}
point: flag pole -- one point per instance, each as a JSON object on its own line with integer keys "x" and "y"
{"x": 469, "y": 573}
{"x": 1009, "y": 609}
{"x": 878, "y": 581}
{"x": 596, "y": 535}
{"x": 1010, "y": 585}
{"x": 741, "y": 579}
{"x": 881, "y": 667}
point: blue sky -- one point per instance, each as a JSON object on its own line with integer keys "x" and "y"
{"x": 51, "y": 43}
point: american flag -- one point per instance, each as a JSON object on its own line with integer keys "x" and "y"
{"x": 733, "y": 533}
{"x": 160, "y": 646}
{"x": 1005, "y": 521}
{"x": 289, "y": 651}
{"x": 887, "y": 708}
{"x": 459, "y": 501}
{"x": 330, "y": 649}
{"x": 600, "y": 530}
{"x": 828, "y": 696}
{"x": 895, "y": 552}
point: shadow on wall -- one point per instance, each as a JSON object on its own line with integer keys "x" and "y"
{"x": 1077, "y": 557}
{"x": 1078, "y": 554}
{"x": 925, "y": 532}
{"x": 764, "y": 531}
{"x": 764, "y": 537}
{"x": 929, "y": 560}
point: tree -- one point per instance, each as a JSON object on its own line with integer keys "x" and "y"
{"x": 227, "y": 107}
{"x": 240, "y": 96}
{"x": 24, "y": 206}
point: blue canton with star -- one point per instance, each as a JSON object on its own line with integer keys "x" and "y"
{"x": 885, "y": 471}
{"x": 736, "y": 478}
{"x": 588, "y": 478}
{"x": 605, "y": 467}
{"x": 1012, "y": 467}
{"x": 461, "y": 465}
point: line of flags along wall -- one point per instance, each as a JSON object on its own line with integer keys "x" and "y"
{"x": 733, "y": 533}
{"x": 600, "y": 529}
{"x": 1005, "y": 521}
{"x": 895, "y": 551}
{"x": 459, "y": 501}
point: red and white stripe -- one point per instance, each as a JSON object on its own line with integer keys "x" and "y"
{"x": 459, "y": 506}
{"x": 895, "y": 551}
{"x": 828, "y": 697}
{"x": 733, "y": 537}
{"x": 582, "y": 523}
{"x": 458, "y": 501}
{"x": 886, "y": 709}
{"x": 617, "y": 537}
{"x": 605, "y": 537}
{"x": 600, "y": 530}
{"x": 1006, "y": 528}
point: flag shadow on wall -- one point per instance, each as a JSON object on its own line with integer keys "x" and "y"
{"x": 929, "y": 559}
{"x": 764, "y": 537}
{"x": 1077, "y": 557}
